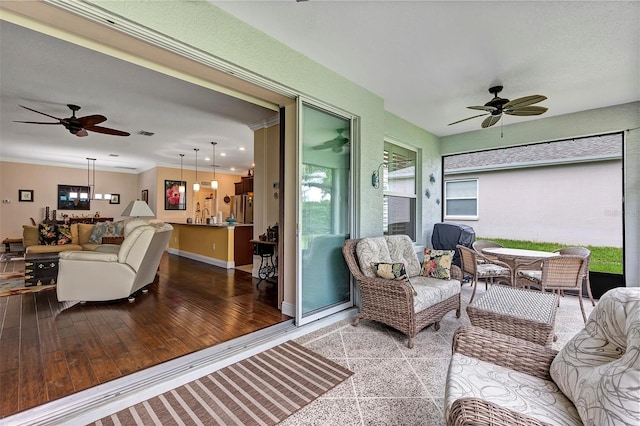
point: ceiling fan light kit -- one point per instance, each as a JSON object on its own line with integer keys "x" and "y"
{"x": 498, "y": 106}
{"x": 79, "y": 126}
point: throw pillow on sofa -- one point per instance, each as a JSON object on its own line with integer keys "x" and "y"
{"x": 437, "y": 263}
{"x": 47, "y": 234}
{"x": 106, "y": 229}
{"x": 392, "y": 271}
{"x": 63, "y": 234}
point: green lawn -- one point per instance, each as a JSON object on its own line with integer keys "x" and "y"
{"x": 603, "y": 259}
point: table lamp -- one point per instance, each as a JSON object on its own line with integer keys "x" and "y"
{"x": 136, "y": 209}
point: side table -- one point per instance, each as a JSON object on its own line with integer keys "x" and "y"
{"x": 525, "y": 314}
{"x": 40, "y": 269}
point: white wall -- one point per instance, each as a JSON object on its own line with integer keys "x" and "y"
{"x": 574, "y": 204}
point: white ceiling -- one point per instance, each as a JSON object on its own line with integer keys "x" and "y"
{"x": 429, "y": 60}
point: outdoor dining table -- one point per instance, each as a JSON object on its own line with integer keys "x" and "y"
{"x": 511, "y": 256}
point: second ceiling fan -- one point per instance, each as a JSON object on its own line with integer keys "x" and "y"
{"x": 498, "y": 106}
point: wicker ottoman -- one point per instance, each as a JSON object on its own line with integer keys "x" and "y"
{"x": 525, "y": 314}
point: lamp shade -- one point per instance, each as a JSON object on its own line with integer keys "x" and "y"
{"x": 138, "y": 208}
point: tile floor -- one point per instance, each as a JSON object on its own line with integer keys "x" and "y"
{"x": 392, "y": 384}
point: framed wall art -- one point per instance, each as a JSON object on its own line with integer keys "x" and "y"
{"x": 115, "y": 199}
{"x": 25, "y": 195}
{"x": 173, "y": 198}
{"x": 145, "y": 196}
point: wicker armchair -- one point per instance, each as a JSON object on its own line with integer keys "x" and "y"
{"x": 479, "y": 266}
{"x": 586, "y": 254}
{"x": 559, "y": 273}
{"x": 391, "y": 302}
{"x": 475, "y": 343}
{"x": 483, "y": 244}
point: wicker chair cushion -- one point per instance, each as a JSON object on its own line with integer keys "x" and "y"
{"x": 492, "y": 270}
{"x": 535, "y": 276}
{"x": 428, "y": 291}
{"x": 516, "y": 391}
{"x": 599, "y": 368}
{"x": 437, "y": 263}
{"x": 391, "y": 249}
{"x": 401, "y": 250}
{"x": 370, "y": 251}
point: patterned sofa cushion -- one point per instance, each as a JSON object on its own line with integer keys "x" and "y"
{"x": 518, "y": 392}
{"x": 428, "y": 291}
{"x": 370, "y": 251}
{"x": 401, "y": 249}
{"x": 599, "y": 368}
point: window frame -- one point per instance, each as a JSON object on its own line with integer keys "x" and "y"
{"x": 417, "y": 185}
{"x": 447, "y": 198}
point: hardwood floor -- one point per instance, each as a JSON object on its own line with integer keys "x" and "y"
{"x": 48, "y": 352}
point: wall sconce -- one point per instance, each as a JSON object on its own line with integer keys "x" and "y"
{"x": 432, "y": 178}
{"x": 375, "y": 176}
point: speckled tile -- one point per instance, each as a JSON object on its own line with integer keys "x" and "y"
{"x": 329, "y": 346}
{"x": 400, "y": 412}
{"x": 371, "y": 345}
{"x": 428, "y": 344}
{"x": 432, "y": 372}
{"x": 325, "y": 411}
{"x": 345, "y": 389}
{"x": 385, "y": 378}
{"x": 333, "y": 328}
{"x": 367, "y": 326}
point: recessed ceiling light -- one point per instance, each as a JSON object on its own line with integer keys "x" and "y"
{"x": 145, "y": 133}
{"x": 232, "y": 168}
{"x": 241, "y": 148}
{"x": 114, "y": 155}
{"x": 222, "y": 154}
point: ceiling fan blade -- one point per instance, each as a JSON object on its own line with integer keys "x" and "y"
{"x": 106, "y": 130}
{"x": 81, "y": 133}
{"x": 524, "y": 101}
{"x": 31, "y": 109}
{"x": 491, "y": 120}
{"x": 483, "y": 107}
{"x": 37, "y": 122}
{"x": 465, "y": 119}
{"x": 529, "y": 110}
{"x": 91, "y": 120}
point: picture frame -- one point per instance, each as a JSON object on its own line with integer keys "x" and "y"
{"x": 115, "y": 199}
{"x": 173, "y": 198}
{"x": 145, "y": 196}
{"x": 25, "y": 195}
{"x": 74, "y": 197}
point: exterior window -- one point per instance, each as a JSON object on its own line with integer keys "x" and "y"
{"x": 461, "y": 199}
{"x": 399, "y": 189}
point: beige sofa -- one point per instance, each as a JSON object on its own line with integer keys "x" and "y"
{"x": 80, "y": 234}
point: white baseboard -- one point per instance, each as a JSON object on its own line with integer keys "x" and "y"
{"x": 203, "y": 259}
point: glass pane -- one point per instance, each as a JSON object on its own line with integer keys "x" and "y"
{"x": 462, "y": 208}
{"x": 399, "y": 216}
{"x": 400, "y": 174}
{"x": 462, "y": 189}
{"x": 324, "y": 209}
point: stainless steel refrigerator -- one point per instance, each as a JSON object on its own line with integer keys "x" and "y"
{"x": 243, "y": 208}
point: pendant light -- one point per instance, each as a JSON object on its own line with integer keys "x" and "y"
{"x": 214, "y": 182}
{"x": 91, "y": 187}
{"x": 181, "y": 188}
{"x": 196, "y": 185}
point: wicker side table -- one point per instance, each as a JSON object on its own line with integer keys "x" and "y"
{"x": 525, "y": 314}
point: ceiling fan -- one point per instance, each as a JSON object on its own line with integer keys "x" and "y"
{"x": 497, "y": 106}
{"x": 78, "y": 125}
{"x": 336, "y": 144}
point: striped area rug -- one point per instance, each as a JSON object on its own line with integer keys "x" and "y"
{"x": 261, "y": 390}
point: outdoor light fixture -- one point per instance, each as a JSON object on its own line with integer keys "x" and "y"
{"x": 214, "y": 182}
{"x": 375, "y": 176}
{"x": 181, "y": 188}
{"x": 196, "y": 185}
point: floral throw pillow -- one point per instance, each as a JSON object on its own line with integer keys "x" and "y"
{"x": 47, "y": 234}
{"x": 437, "y": 263}
{"x": 63, "y": 234}
{"x": 392, "y": 271}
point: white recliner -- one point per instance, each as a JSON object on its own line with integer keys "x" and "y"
{"x": 100, "y": 276}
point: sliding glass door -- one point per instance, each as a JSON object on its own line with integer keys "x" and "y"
{"x": 324, "y": 285}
